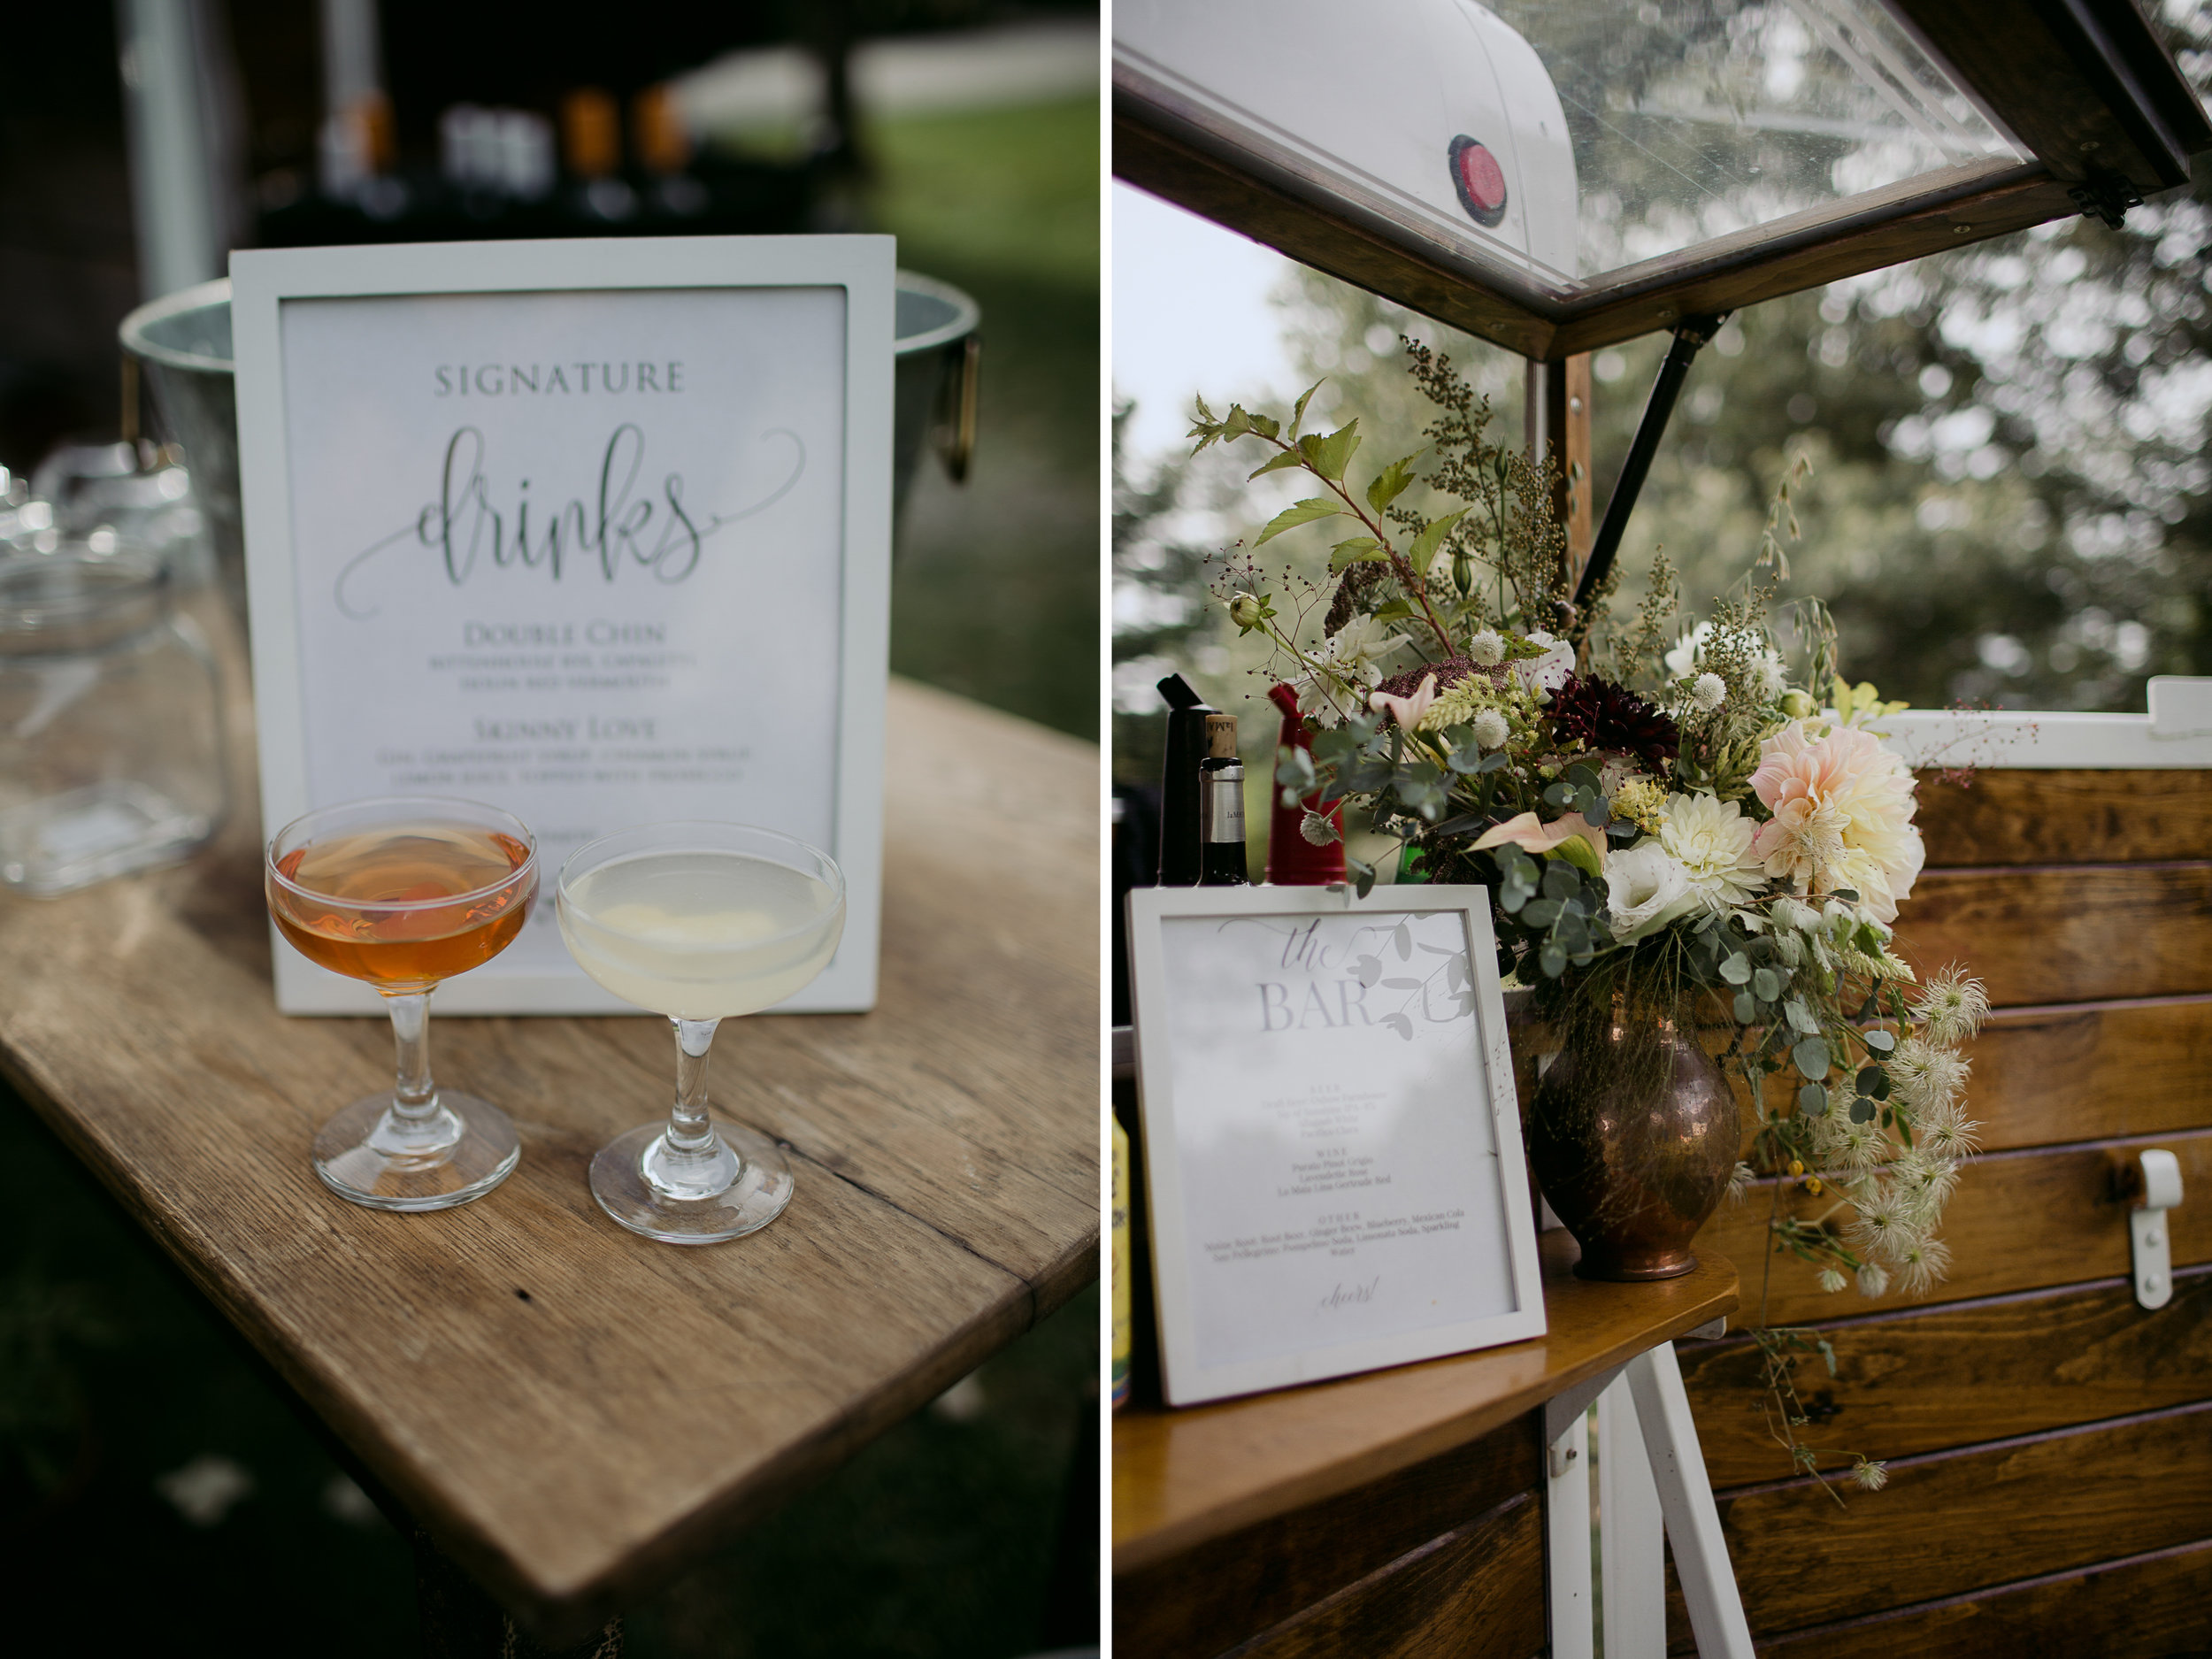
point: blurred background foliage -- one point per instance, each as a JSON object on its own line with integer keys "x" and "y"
{"x": 2011, "y": 503}
{"x": 996, "y": 589}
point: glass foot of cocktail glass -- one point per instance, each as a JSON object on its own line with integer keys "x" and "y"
{"x": 403, "y": 893}
{"x": 701, "y": 922}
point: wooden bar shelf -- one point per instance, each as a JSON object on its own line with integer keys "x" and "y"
{"x": 1185, "y": 1478}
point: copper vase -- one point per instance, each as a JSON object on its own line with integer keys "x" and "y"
{"x": 1634, "y": 1134}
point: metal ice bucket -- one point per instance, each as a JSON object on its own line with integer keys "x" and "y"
{"x": 177, "y": 357}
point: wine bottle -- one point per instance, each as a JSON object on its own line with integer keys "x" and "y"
{"x": 1221, "y": 797}
{"x": 1181, "y": 831}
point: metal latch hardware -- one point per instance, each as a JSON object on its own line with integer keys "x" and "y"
{"x": 2149, "y": 1238}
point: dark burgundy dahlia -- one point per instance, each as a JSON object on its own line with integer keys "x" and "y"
{"x": 1614, "y": 719}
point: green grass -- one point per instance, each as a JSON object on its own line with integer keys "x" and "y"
{"x": 996, "y": 591}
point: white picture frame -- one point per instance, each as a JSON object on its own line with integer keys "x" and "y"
{"x": 806, "y": 318}
{"x": 1428, "y": 1112}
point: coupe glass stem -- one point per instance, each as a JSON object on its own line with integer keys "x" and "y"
{"x": 414, "y": 1096}
{"x": 688, "y": 1128}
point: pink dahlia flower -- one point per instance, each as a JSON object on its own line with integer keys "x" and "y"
{"x": 1843, "y": 808}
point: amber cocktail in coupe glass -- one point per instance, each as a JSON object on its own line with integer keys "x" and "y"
{"x": 402, "y": 893}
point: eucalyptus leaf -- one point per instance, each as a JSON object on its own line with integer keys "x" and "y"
{"x": 1362, "y": 874}
{"x": 1870, "y": 1077}
{"x": 1811, "y": 1058}
{"x": 1747, "y": 1010}
{"x": 1737, "y": 969}
{"x": 1875, "y": 1037}
{"x": 1540, "y": 912}
{"x": 1861, "y": 1111}
{"x": 1812, "y": 1099}
{"x": 1766, "y": 984}
{"x": 1552, "y": 960}
{"x": 1801, "y": 1017}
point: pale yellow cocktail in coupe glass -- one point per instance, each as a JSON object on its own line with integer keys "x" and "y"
{"x": 700, "y": 922}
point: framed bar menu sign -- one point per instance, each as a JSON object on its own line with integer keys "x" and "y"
{"x": 1332, "y": 1146}
{"x": 597, "y": 532}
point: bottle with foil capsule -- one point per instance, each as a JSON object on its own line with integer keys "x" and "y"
{"x": 1221, "y": 807}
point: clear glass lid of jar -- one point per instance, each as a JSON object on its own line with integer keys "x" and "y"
{"x": 76, "y": 600}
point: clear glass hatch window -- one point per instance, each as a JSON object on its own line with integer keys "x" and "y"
{"x": 1564, "y": 140}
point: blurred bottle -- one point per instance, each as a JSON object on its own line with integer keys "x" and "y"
{"x": 591, "y": 149}
{"x": 660, "y": 138}
{"x": 1125, "y": 1264}
{"x": 356, "y": 151}
{"x": 1291, "y": 860}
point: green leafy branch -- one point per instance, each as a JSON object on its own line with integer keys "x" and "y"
{"x": 1328, "y": 458}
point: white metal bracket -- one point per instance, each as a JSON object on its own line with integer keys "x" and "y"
{"x": 2149, "y": 1238}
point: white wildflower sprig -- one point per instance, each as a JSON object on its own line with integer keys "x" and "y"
{"x": 1926, "y": 1076}
{"x": 1951, "y": 1006}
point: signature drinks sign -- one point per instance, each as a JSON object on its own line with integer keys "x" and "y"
{"x": 597, "y": 532}
{"x": 1332, "y": 1150}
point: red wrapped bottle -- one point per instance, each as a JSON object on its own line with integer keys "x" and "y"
{"x": 1291, "y": 860}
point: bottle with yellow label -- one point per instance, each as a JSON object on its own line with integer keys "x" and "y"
{"x": 1122, "y": 1265}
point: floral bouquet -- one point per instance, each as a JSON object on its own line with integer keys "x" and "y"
{"x": 1681, "y": 840}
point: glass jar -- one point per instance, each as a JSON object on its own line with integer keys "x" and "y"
{"x": 110, "y": 719}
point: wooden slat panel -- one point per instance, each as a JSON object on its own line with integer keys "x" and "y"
{"x": 1224, "y": 1591}
{"x": 2019, "y": 1221}
{"x": 2146, "y": 1607}
{"x": 1956, "y": 1521}
{"x": 1475, "y": 1593}
{"x": 2088, "y": 934}
{"x": 1916, "y": 1382}
{"x": 2047, "y": 1075}
{"x": 2066, "y": 818}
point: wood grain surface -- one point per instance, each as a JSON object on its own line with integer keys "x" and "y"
{"x": 1477, "y": 1592}
{"x": 1182, "y": 1477}
{"x": 2151, "y": 1606}
{"x": 575, "y": 1411}
{"x": 1217, "y": 1594}
{"x": 2043, "y": 1076}
{"x": 1957, "y": 1375}
{"x": 2066, "y": 933}
{"x": 1989, "y": 197}
{"x": 2046, "y": 1076}
{"x": 1956, "y": 1522}
{"x": 2021, "y": 1220}
{"x": 2066, "y": 818}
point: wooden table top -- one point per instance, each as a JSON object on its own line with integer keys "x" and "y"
{"x": 575, "y": 1411}
{"x": 1183, "y": 1477}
